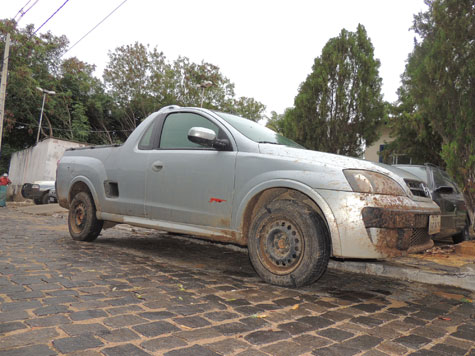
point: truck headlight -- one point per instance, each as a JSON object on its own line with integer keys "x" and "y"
{"x": 362, "y": 181}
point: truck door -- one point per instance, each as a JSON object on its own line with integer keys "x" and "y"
{"x": 188, "y": 183}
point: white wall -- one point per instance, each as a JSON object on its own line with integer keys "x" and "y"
{"x": 37, "y": 162}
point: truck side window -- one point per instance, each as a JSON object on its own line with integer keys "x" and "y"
{"x": 146, "y": 141}
{"x": 176, "y": 127}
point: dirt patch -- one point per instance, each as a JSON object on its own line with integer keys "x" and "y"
{"x": 445, "y": 255}
{"x": 466, "y": 248}
{"x": 49, "y": 227}
{"x": 453, "y": 296}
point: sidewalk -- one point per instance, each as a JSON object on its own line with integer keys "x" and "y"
{"x": 450, "y": 265}
{"x": 442, "y": 265}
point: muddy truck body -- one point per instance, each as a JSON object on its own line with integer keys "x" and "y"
{"x": 224, "y": 178}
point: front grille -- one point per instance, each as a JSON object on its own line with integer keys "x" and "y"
{"x": 418, "y": 188}
{"x": 419, "y": 237}
{"x": 412, "y": 239}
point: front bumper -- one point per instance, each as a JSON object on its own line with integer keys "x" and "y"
{"x": 379, "y": 226}
{"x": 402, "y": 231}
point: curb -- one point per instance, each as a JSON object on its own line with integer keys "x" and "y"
{"x": 439, "y": 275}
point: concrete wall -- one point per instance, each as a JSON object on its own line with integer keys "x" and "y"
{"x": 36, "y": 163}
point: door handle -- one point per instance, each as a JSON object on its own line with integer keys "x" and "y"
{"x": 157, "y": 166}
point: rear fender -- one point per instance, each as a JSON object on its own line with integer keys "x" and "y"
{"x": 74, "y": 169}
{"x": 90, "y": 186}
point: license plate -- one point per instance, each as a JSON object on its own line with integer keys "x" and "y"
{"x": 434, "y": 224}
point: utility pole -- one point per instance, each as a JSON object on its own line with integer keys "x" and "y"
{"x": 3, "y": 86}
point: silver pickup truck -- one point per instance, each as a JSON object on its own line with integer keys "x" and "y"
{"x": 225, "y": 178}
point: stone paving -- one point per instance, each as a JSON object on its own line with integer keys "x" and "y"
{"x": 145, "y": 293}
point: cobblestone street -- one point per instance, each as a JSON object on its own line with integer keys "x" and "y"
{"x": 145, "y": 293}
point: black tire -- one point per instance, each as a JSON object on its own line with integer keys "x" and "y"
{"x": 45, "y": 198}
{"x": 464, "y": 235}
{"x": 25, "y": 190}
{"x": 38, "y": 201}
{"x": 288, "y": 244}
{"x": 82, "y": 222}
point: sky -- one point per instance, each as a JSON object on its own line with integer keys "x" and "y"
{"x": 266, "y": 48}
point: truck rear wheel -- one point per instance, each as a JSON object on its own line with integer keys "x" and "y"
{"x": 288, "y": 244}
{"x": 82, "y": 222}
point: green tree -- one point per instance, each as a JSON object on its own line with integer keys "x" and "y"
{"x": 278, "y": 123}
{"x": 32, "y": 61}
{"x": 142, "y": 80}
{"x": 79, "y": 122}
{"x": 80, "y": 110}
{"x": 137, "y": 81}
{"x": 83, "y": 109}
{"x": 439, "y": 78}
{"x": 413, "y": 133}
{"x": 339, "y": 106}
{"x": 247, "y": 107}
{"x": 127, "y": 77}
{"x": 188, "y": 79}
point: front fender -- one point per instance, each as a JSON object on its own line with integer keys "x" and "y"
{"x": 298, "y": 186}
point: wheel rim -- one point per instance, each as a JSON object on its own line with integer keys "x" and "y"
{"x": 79, "y": 217}
{"x": 281, "y": 245}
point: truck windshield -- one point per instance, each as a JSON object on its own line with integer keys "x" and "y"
{"x": 255, "y": 132}
{"x": 418, "y": 171}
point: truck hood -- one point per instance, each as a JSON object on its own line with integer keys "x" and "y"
{"x": 44, "y": 182}
{"x": 321, "y": 158}
{"x": 317, "y": 158}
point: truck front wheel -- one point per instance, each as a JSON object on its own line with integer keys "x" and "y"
{"x": 82, "y": 222}
{"x": 288, "y": 244}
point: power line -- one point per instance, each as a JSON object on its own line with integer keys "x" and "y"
{"x": 21, "y": 10}
{"x": 23, "y": 13}
{"x": 97, "y": 25}
{"x": 44, "y": 23}
{"x": 49, "y": 18}
{"x": 105, "y": 18}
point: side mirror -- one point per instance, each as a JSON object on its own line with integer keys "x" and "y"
{"x": 202, "y": 136}
{"x": 444, "y": 189}
{"x": 206, "y": 137}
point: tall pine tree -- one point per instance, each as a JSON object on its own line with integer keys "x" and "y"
{"x": 437, "y": 98}
{"x": 339, "y": 105}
